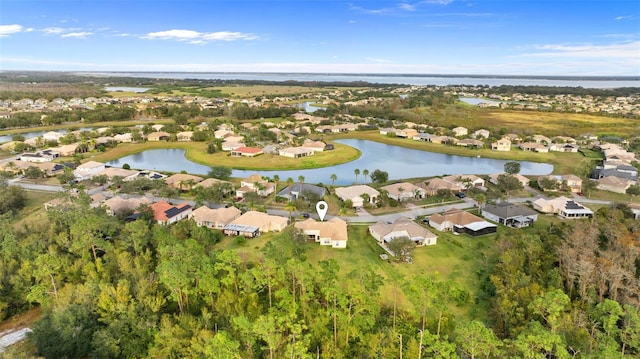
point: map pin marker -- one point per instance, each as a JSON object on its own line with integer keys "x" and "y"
{"x": 321, "y": 208}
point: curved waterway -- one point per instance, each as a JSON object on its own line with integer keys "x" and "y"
{"x": 399, "y": 162}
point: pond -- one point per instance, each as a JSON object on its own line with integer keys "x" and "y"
{"x": 27, "y": 135}
{"x": 476, "y": 100}
{"x": 308, "y": 107}
{"x": 126, "y": 89}
{"x": 399, "y": 162}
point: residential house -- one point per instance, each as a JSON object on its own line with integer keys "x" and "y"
{"x": 385, "y": 232}
{"x": 481, "y": 133}
{"x": 573, "y": 182}
{"x": 298, "y": 190}
{"x": 614, "y": 184}
{"x": 534, "y": 147}
{"x": 223, "y": 132}
{"x": 406, "y": 133}
{"x": 230, "y": 146}
{"x": 510, "y": 214}
{"x": 404, "y": 191}
{"x": 88, "y": 170}
{"x": 459, "y": 221}
{"x": 541, "y": 139}
{"x": 563, "y": 147}
{"x": 166, "y": 213}
{"x": 316, "y": 146}
{"x": 355, "y": 193}
{"x": 424, "y": 137}
{"x": 252, "y": 223}
{"x": 158, "y": 136}
{"x": 460, "y": 131}
{"x": 52, "y": 136}
{"x": 465, "y": 181}
{"x": 296, "y": 152}
{"x": 183, "y": 181}
{"x": 503, "y": 144}
{"x": 563, "y": 207}
{"x": 67, "y": 150}
{"x": 330, "y": 233}
{"x": 436, "y": 184}
{"x": 493, "y": 178}
{"x": 214, "y": 218}
{"x": 184, "y": 136}
{"x": 118, "y": 205}
{"x": 39, "y": 156}
{"x": 125, "y": 137}
{"x": 470, "y": 142}
{"x": 157, "y": 127}
{"x": 444, "y": 140}
{"x": 210, "y": 182}
{"x": 112, "y": 172}
{"x": 246, "y": 152}
{"x": 255, "y": 183}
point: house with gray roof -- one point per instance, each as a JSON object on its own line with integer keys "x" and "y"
{"x": 510, "y": 214}
{"x": 298, "y": 190}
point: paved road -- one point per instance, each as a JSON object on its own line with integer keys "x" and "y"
{"x": 11, "y": 337}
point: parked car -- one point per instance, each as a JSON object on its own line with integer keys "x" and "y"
{"x": 461, "y": 195}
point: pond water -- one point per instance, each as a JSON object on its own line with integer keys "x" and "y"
{"x": 476, "y": 100}
{"x": 27, "y": 135}
{"x": 308, "y": 107}
{"x": 126, "y": 89}
{"x": 399, "y": 162}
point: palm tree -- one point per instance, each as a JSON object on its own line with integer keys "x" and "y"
{"x": 276, "y": 179}
{"x": 289, "y": 185}
{"x": 333, "y": 178}
{"x": 290, "y": 207}
{"x": 365, "y": 173}
{"x": 357, "y": 173}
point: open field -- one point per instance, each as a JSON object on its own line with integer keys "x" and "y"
{"x": 563, "y": 163}
{"x": 196, "y": 152}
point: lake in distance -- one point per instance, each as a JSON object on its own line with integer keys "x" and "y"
{"x": 399, "y": 162}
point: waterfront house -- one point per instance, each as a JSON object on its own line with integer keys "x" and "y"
{"x": 158, "y": 136}
{"x": 88, "y": 170}
{"x": 182, "y": 181}
{"x": 296, "y": 152}
{"x": 503, "y": 144}
{"x": 354, "y": 193}
{"x": 246, "y": 152}
{"x": 460, "y": 131}
{"x": 404, "y": 191}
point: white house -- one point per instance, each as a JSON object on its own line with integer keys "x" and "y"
{"x": 330, "y": 233}
{"x": 89, "y": 169}
{"x": 354, "y": 193}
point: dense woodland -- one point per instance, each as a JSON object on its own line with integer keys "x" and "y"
{"x": 111, "y": 289}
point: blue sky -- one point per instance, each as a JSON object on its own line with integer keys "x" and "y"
{"x": 510, "y": 37}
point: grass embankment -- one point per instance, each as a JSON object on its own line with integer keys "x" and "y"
{"x": 563, "y": 163}
{"x": 196, "y": 152}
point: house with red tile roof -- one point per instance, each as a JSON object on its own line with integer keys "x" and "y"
{"x": 166, "y": 213}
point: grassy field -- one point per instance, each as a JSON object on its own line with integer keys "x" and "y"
{"x": 196, "y": 152}
{"x": 563, "y": 163}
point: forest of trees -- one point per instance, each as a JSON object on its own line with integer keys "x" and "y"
{"x": 113, "y": 290}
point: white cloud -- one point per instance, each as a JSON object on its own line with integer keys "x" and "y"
{"x": 624, "y": 50}
{"x": 406, "y": 6}
{"x": 53, "y": 30}
{"x": 6, "y": 30}
{"x": 624, "y": 17}
{"x": 78, "y": 35}
{"x": 195, "y": 37}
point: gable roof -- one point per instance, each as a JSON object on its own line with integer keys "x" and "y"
{"x": 455, "y": 216}
{"x": 402, "y": 225}
{"x": 356, "y": 191}
{"x": 219, "y": 215}
{"x": 163, "y": 211}
{"x": 335, "y": 228}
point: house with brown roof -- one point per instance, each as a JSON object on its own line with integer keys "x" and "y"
{"x": 166, "y": 213}
{"x": 112, "y": 172}
{"x": 255, "y": 183}
{"x": 355, "y": 193}
{"x": 183, "y": 181}
{"x": 404, "y": 191}
{"x": 493, "y": 178}
{"x": 184, "y": 136}
{"x": 614, "y": 184}
{"x": 459, "y": 221}
{"x": 316, "y": 146}
{"x": 330, "y": 233}
{"x": 534, "y": 147}
{"x": 465, "y": 181}
{"x": 214, "y": 218}
{"x": 252, "y": 223}
{"x": 470, "y": 142}
{"x": 435, "y": 184}
{"x": 573, "y": 182}
{"x": 246, "y": 152}
{"x": 116, "y": 205}
{"x": 385, "y": 232}
{"x": 158, "y": 136}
